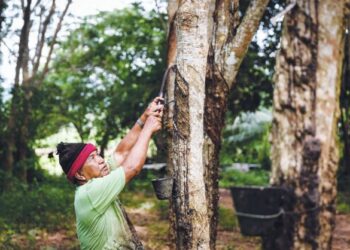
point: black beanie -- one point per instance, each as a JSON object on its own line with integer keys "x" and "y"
{"x": 67, "y": 153}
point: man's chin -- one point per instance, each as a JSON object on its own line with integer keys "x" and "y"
{"x": 104, "y": 172}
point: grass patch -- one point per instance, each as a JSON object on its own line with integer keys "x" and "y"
{"x": 159, "y": 233}
{"x": 29, "y": 212}
{"x": 239, "y": 178}
{"x": 133, "y": 199}
{"x": 227, "y": 219}
{"x": 48, "y": 205}
{"x": 343, "y": 202}
{"x": 161, "y": 207}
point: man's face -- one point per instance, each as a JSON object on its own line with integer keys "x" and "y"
{"x": 94, "y": 167}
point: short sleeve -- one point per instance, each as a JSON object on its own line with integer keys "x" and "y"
{"x": 104, "y": 190}
{"x": 112, "y": 162}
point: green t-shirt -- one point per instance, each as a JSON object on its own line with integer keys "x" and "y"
{"x": 100, "y": 220}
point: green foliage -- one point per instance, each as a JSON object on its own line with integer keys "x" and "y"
{"x": 162, "y": 208}
{"x": 253, "y": 92}
{"x": 254, "y": 82}
{"x": 108, "y": 70}
{"x": 3, "y": 111}
{"x": 39, "y": 205}
{"x": 343, "y": 202}
{"x": 227, "y": 219}
{"x": 238, "y": 178}
{"x": 343, "y": 176}
{"x": 344, "y": 124}
{"x": 247, "y": 139}
{"x": 3, "y": 6}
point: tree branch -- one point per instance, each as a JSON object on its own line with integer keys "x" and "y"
{"x": 25, "y": 61}
{"x": 41, "y": 41}
{"x": 235, "y": 50}
{"x": 173, "y": 5}
{"x": 36, "y": 4}
{"x": 40, "y": 15}
{"x": 23, "y": 42}
{"x": 160, "y": 15}
{"x": 8, "y": 48}
{"x": 58, "y": 28}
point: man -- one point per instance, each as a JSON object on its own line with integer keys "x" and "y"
{"x": 101, "y": 221}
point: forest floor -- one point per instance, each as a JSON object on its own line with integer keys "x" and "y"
{"x": 152, "y": 227}
{"x": 341, "y": 235}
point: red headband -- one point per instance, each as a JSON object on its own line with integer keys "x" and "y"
{"x": 80, "y": 160}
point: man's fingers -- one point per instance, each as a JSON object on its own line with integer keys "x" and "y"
{"x": 157, "y": 99}
{"x": 158, "y": 109}
{"x": 158, "y": 116}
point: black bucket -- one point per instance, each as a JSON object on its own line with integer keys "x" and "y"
{"x": 163, "y": 187}
{"x": 259, "y": 209}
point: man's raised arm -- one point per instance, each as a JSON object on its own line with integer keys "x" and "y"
{"x": 127, "y": 143}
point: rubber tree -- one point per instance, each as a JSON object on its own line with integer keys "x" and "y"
{"x": 305, "y": 117}
{"x": 207, "y": 41}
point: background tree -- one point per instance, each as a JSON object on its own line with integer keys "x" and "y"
{"x": 304, "y": 148}
{"x": 19, "y": 132}
{"x": 3, "y": 6}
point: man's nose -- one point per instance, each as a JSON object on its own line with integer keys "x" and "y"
{"x": 101, "y": 160}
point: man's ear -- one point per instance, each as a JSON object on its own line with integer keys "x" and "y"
{"x": 79, "y": 176}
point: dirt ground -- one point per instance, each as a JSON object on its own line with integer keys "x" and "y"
{"x": 232, "y": 239}
{"x": 227, "y": 240}
{"x": 153, "y": 233}
{"x": 341, "y": 235}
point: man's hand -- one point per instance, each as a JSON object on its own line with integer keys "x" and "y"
{"x": 156, "y": 105}
{"x": 154, "y": 121}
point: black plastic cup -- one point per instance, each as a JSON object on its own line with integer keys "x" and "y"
{"x": 163, "y": 187}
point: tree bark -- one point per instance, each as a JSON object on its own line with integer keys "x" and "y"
{"x": 306, "y": 109}
{"x": 189, "y": 201}
{"x": 17, "y": 95}
{"x": 229, "y": 40}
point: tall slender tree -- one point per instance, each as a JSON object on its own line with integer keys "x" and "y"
{"x": 28, "y": 77}
{"x": 191, "y": 223}
{"x": 306, "y": 111}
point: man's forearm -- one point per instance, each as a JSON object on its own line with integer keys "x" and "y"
{"x": 136, "y": 158}
{"x": 128, "y": 142}
{"x": 130, "y": 139}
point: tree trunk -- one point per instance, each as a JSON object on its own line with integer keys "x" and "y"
{"x": 229, "y": 40}
{"x": 306, "y": 109}
{"x": 189, "y": 201}
{"x": 13, "y": 120}
{"x": 169, "y": 111}
{"x": 26, "y": 80}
